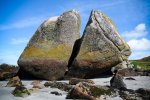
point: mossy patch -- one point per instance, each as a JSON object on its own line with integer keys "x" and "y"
{"x": 96, "y": 92}
{"x": 61, "y": 51}
{"x": 94, "y": 55}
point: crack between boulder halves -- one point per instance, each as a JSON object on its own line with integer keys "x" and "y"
{"x": 107, "y": 36}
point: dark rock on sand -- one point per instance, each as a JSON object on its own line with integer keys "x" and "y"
{"x": 129, "y": 78}
{"x": 144, "y": 93}
{"x": 14, "y": 82}
{"x": 88, "y": 91}
{"x": 56, "y": 93}
{"x": 117, "y": 82}
{"x": 8, "y": 71}
{"x": 21, "y": 91}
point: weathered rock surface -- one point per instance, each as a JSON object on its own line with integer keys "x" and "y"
{"x": 8, "y": 71}
{"x": 117, "y": 82}
{"x": 37, "y": 84}
{"x": 74, "y": 81}
{"x": 88, "y": 91}
{"x": 47, "y": 53}
{"x": 14, "y": 82}
{"x": 99, "y": 49}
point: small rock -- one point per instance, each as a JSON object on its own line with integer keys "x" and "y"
{"x": 56, "y": 93}
{"x": 80, "y": 92}
{"x": 21, "y": 91}
{"x": 74, "y": 81}
{"x": 39, "y": 86}
{"x": 129, "y": 78}
{"x": 117, "y": 82}
{"x": 87, "y": 91}
{"x": 36, "y": 82}
{"x": 144, "y": 93}
{"x": 14, "y": 82}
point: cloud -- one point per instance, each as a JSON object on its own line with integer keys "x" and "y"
{"x": 139, "y": 44}
{"x": 22, "y": 23}
{"x": 138, "y": 32}
{"x": 17, "y": 41}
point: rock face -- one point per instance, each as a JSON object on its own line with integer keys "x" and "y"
{"x": 14, "y": 82}
{"x": 87, "y": 91}
{"x": 117, "y": 82}
{"x": 7, "y": 71}
{"x": 47, "y": 53}
{"x": 99, "y": 49}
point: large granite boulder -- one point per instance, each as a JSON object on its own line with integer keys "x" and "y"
{"x": 47, "y": 53}
{"x": 99, "y": 49}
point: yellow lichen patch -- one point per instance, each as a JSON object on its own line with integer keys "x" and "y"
{"x": 61, "y": 51}
{"x": 89, "y": 55}
{"x": 94, "y": 55}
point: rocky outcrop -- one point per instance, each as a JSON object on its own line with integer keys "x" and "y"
{"x": 88, "y": 91}
{"x": 8, "y": 71}
{"x": 47, "y": 53}
{"x": 99, "y": 49}
{"x": 14, "y": 82}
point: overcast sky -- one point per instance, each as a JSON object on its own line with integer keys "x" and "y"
{"x": 19, "y": 20}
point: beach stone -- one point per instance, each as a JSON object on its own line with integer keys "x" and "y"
{"x": 129, "y": 78}
{"x": 37, "y": 84}
{"x": 14, "y": 82}
{"x": 99, "y": 49}
{"x": 8, "y": 71}
{"x": 74, "y": 81}
{"x": 21, "y": 91}
{"x": 56, "y": 93}
{"x": 117, "y": 82}
{"x": 144, "y": 93}
{"x": 47, "y": 53}
{"x": 87, "y": 91}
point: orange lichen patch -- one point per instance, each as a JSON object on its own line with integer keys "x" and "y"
{"x": 61, "y": 51}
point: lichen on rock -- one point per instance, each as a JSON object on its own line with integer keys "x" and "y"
{"x": 47, "y": 53}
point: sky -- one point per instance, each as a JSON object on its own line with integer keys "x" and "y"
{"x": 19, "y": 19}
